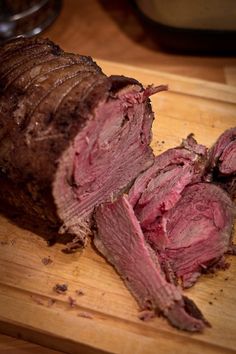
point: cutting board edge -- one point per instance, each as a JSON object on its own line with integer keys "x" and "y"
{"x": 50, "y": 340}
{"x": 46, "y": 340}
{"x": 177, "y": 83}
{"x": 130, "y": 334}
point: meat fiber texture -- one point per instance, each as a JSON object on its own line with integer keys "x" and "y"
{"x": 186, "y": 222}
{"x": 171, "y": 227}
{"x": 120, "y": 239}
{"x": 70, "y": 136}
{"x": 222, "y": 161}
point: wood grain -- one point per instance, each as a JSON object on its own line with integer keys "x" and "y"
{"x": 11, "y": 345}
{"x": 26, "y": 284}
{"x": 230, "y": 75}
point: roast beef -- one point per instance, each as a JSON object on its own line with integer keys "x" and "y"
{"x": 198, "y": 230}
{"x": 70, "y": 136}
{"x": 73, "y": 140}
{"x": 189, "y": 227}
{"x": 187, "y": 223}
{"x": 222, "y": 161}
{"x": 159, "y": 188}
{"x": 120, "y": 239}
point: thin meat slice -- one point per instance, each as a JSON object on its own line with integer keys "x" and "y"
{"x": 159, "y": 188}
{"x": 162, "y": 193}
{"x": 188, "y": 154}
{"x": 176, "y": 156}
{"x": 191, "y": 144}
{"x": 198, "y": 229}
{"x": 223, "y": 152}
{"x": 222, "y": 161}
{"x": 120, "y": 239}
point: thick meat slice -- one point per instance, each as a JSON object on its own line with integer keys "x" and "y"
{"x": 222, "y": 161}
{"x": 198, "y": 229}
{"x": 187, "y": 241}
{"x": 159, "y": 188}
{"x": 70, "y": 136}
{"x": 120, "y": 239}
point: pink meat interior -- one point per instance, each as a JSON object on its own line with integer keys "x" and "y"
{"x": 198, "y": 228}
{"x": 109, "y": 152}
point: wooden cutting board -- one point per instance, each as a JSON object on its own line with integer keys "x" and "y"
{"x": 105, "y": 318}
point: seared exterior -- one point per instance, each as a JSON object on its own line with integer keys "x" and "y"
{"x": 47, "y": 97}
{"x": 37, "y": 120}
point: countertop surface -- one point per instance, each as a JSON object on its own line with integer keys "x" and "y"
{"x": 111, "y": 30}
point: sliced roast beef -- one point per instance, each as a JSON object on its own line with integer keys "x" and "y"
{"x": 198, "y": 229}
{"x": 163, "y": 201}
{"x": 222, "y": 161}
{"x": 73, "y": 139}
{"x": 159, "y": 188}
{"x": 120, "y": 239}
{"x": 70, "y": 136}
{"x": 223, "y": 152}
